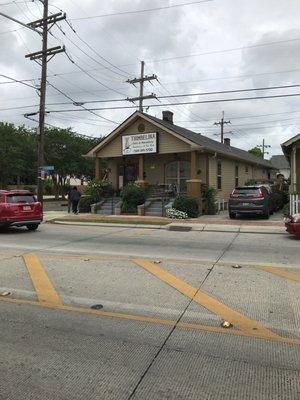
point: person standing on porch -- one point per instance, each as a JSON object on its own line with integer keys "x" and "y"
{"x": 74, "y": 198}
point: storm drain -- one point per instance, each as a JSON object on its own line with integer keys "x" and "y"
{"x": 97, "y": 307}
{"x": 180, "y": 228}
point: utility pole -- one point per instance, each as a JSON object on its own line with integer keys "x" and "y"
{"x": 264, "y": 146}
{"x": 143, "y": 78}
{"x": 43, "y": 57}
{"x": 222, "y": 123}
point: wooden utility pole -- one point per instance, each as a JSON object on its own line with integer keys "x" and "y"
{"x": 43, "y": 57}
{"x": 222, "y": 123}
{"x": 264, "y": 146}
{"x": 143, "y": 78}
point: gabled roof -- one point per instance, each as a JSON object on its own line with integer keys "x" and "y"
{"x": 291, "y": 141}
{"x": 280, "y": 162}
{"x": 187, "y": 136}
{"x": 212, "y": 145}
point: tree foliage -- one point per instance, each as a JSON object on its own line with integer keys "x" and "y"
{"x": 64, "y": 149}
{"x": 256, "y": 151}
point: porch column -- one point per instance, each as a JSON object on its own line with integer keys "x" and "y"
{"x": 98, "y": 168}
{"x": 194, "y": 184}
{"x": 207, "y": 169}
{"x": 141, "y": 181}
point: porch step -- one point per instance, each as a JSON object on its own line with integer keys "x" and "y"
{"x": 108, "y": 207}
{"x": 155, "y": 209}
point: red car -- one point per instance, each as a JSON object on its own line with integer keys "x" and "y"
{"x": 20, "y": 208}
{"x": 292, "y": 223}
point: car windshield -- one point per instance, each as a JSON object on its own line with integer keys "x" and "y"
{"x": 246, "y": 191}
{"x": 21, "y": 198}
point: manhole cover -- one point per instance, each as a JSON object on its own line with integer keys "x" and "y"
{"x": 180, "y": 228}
{"x": 97, "y": 307}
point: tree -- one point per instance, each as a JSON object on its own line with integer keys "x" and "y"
{"x": 17, "y": 155}
{"x": 64, "y": 149}
{"x": 256, "y": 151}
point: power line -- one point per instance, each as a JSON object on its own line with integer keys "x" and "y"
{"x": 190, "y": 102}
{"x": 92, "y": 77}
{"x": 79, "y": 104}
{"x": 140, "y": 11}
{"x": 96, "y": 52}
{"x": 137, "y": 80}
{"x": 222, "y": 51}
{"x": 89, "y": 56}
{"x": 17, "y": 81}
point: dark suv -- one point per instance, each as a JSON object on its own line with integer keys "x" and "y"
{"x": 250, "y": 200}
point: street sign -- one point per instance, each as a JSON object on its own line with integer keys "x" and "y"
{"x": 48, "y": 168}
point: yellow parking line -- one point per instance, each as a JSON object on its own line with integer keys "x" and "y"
{"x": 42, "y": 285}
{"x": 280, "y": 272}
{"x": 238, "y": 320}
{"x": 151, "y": 320}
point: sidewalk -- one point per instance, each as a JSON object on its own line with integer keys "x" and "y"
{"x": 213, "y": 223}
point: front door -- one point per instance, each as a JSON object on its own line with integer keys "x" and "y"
{"x": 130, "y": 174}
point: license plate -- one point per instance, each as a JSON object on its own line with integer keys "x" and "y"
{"x": 245, "y": 204}
{"x": 26, "y": 208}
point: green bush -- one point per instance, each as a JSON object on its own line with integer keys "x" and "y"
{"x": 187, "y": 204}
{"x": 48, "y": 186}
{"x": 98, "y": 189}
{"x": 132, "y": 196}
{"x": 209, "y": 196}
{"x": 85, "y": 204}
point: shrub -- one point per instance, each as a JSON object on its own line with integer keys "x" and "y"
{"x": 173, "y": 213}
{"x": 209, "y": 196}
{"x": 187, "y": 204}
{"x": 48, "y": 186}
{"x": 132, "y": 196}
{"x": 98, "y": 189}
{"x": 85, "y": 204}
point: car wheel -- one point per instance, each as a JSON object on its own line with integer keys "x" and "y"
{"x": 32, "y": 227}
{"x": 231, "y": 215}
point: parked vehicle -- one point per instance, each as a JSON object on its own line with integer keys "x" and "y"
{"x": 292, "y": 223}
{"x": 250, "y": 200}
{"x": 20, "y": 208}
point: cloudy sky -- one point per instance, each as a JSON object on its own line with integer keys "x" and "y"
{"x": 208, "y": 46}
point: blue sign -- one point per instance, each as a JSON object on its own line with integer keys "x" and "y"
{"x": 48, "y": 168}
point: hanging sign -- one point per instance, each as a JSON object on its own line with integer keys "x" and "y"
{"x": 144, "y": 143}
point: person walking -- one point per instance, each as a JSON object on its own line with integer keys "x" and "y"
{"x": 74, "y": 198}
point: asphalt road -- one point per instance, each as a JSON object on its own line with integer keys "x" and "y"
{"x": 156, "y": 333}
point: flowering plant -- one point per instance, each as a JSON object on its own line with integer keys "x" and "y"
{"x": 176, "y": 214}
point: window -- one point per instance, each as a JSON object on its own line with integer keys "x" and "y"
{"x": 246, "y": 169}
{"x": 20, "y": 198}
{"x": 236, "y": 175}
{"x": 177, "y": 173}
{"x": 219, "y": 175}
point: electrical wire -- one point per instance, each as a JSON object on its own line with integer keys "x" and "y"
{"x": 17, "y": 81}
{"x": 92, "y": 77}
{"x": 189, "y": 102}
{"x": 141, "y": 11}
{"x": 89, "y": 56}
{"x": 96, "y": 52}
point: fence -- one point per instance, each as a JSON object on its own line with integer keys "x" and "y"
{"x": 294, "y": 204}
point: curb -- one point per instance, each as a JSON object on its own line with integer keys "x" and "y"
{"x": 199, "y": 228}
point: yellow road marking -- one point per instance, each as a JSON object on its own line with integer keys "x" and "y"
{"x": 280, "y": 272}
{"x": 239, "y": 321}
{"x": 42, "y": 285}
{"x": 151, "y": 320}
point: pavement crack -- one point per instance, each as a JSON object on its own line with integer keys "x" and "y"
{"x": 179, "y": 319}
